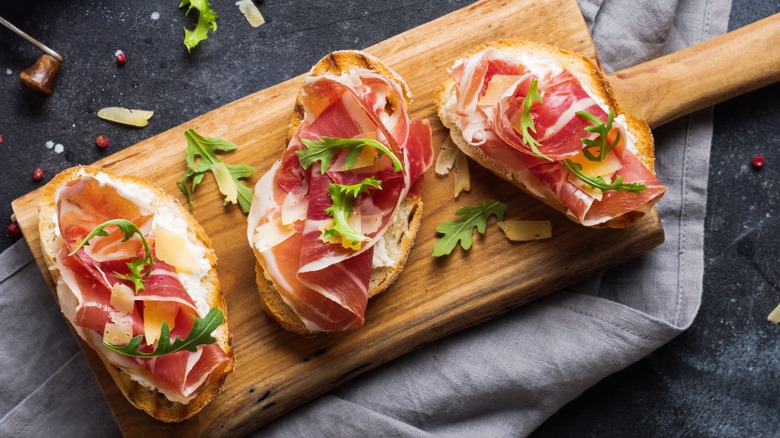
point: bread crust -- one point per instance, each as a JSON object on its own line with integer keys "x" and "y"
{"x": 591, "y": 76}
{"x": 149, "y": 400}
{"x": 406, "y": 223}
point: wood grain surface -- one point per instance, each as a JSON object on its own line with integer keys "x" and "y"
{"x": 276, "y": 370}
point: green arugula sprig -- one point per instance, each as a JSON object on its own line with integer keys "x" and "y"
{"x": 527, "y": 124}
{"x": 598, "y": 182}
{"x": 324, "y": 150}
{"x": 343, "y": 197}
{"x": 205, "y": 148}
{"x": 602, "y": 129}
{"x": 461, "y": 230}
{"x": 207, "y": 20}
{"x": 199, "y": 335}
{"x": 137, "y": 264}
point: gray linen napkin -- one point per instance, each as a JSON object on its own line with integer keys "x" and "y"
{"x": 502, "y": 378}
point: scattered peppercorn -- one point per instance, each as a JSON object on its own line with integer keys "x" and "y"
{"x": 102, "y": 141}
{"x": 121, "y": 59}
{"x": 13, "y": 229}
{"x": 758, "y": 161}
{"x": 37, "y": 174}
{"x": 1, "y": 138}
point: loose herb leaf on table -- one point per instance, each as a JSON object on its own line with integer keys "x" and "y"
{"x": 203, "y": 150}
{"x": 461, "y": 230}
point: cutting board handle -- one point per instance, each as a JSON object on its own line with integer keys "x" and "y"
{"x": 702, "y": 75}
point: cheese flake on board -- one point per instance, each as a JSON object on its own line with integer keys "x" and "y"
{"x": 522, "y": 231}
{"x": 462, "y": 176}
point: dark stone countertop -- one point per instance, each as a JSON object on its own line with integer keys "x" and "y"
{"x": 720, "y": 378}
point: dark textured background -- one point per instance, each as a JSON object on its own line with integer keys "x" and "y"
{"x": 720, "y": 378}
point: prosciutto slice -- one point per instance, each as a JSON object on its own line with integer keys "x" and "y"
{"x": 325, "y": 283}
{"x": 90, "y": 274}
{"x": 494, "y": 128}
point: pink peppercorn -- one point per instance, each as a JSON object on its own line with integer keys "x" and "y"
{"x": 121, "y": 59}
{"x": 37, "y": 174}
{"x": 758, "y": 161}
{"x": 102, "y": 141}
{"x": 13, "y": 229}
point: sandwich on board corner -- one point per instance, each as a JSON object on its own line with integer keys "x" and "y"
{"x": 136, "y": 278}
{"x": 546, "y": 120}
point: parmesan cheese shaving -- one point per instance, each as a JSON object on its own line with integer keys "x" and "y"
{"x": 775, "y": 315}
{"x": 155, "y": 312}
{"x": 251, "y": 13}
{"x": 609, "y": 165}
{"x": 371, "y": 223}
{"x": 271, "y": 234}
{"x": 172, "y": 248}
{"x": 226, "y": 184}
{"x": 366, "y": 158}
{"x": 447, "y": 156}
{"x": 132, "y": 117}
{"x": 120, "y": 331}
{"x": 122, "y": 298}
{"x": 293, "y": 209}
{"x": 462, "y": 177}
{"x": 521, "y": 231}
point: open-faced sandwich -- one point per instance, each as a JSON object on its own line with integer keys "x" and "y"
{"x": 546, "y": 120}
{"x": 136, "y": 278}
{"x": 332, "y": 221}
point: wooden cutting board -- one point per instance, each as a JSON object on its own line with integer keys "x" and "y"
{"x": 277, "y": 371}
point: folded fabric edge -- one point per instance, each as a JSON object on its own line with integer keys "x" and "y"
{"x": 14, "y": 258}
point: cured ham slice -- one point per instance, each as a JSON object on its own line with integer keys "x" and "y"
{"x": 490, "y": 93}
{"x": 326, "y": 282}
{"x": 93, "y": 270}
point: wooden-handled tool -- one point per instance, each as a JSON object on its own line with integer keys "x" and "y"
{"x": 41, "y": 76}
{"x": 697, "y": 77}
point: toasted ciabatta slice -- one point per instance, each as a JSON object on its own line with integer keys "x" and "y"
{"x": 73, "y": 203}
{"x": 481, "y": 102}
{"x": 338, "y": 71}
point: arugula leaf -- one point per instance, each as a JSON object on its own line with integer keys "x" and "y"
{"x": 204, "y": 150}
{"x": 199, "y": 335}
{"x": 602, "y": 130}
{"x": 599, "y": 182}
{"x": 136, "y": 265}
{"x": 343, "y": 197}
{"x": 241, "y": 171}
{"x": 325, "y": 149}
{"x": 461, "y": 230}
{"x": 186, "y": 190}
{"x": 525, "y": 120}
{"x": 207, "y": 20}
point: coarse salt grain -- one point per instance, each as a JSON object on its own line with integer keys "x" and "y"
{"x": 49, "y": 144}
{"x": 58, "y": 148}
{"x": 8, "y": 72}
{"x": 155, "y": 15}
